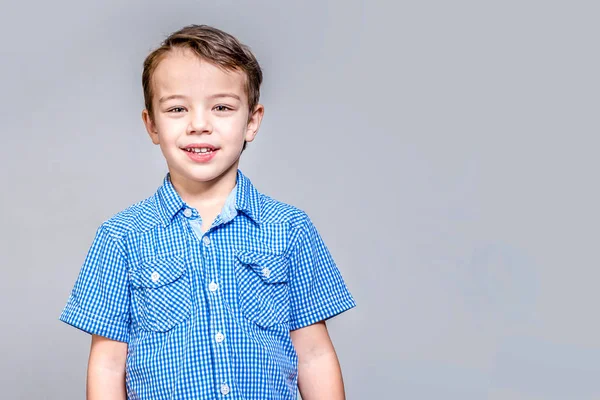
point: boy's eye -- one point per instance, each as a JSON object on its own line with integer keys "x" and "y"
{"x": 176, "y": 110}
{"x": 222, "y": 108}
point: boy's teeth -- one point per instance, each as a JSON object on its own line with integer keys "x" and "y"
{"x": 199, "y": 150}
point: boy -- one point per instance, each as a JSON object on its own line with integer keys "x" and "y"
{"x": 208, "y": 289}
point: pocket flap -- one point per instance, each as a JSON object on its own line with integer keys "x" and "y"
{"x": 272, "y": 268}
{"x": 158, "y": 272}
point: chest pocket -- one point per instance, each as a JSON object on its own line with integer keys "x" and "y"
{"x": 162, "y": 293}
{"x": 262, "y": 284}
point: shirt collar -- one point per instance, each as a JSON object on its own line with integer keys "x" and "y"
{"x": 169, "y": 202}
{"x": 245, "y": 196}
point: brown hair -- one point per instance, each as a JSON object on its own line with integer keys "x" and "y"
{"x": 213, "y": 45}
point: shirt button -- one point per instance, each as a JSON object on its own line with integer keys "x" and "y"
{"x": 219, "y": 337}
{"x": 213, "y": 286}
{"x": 206, "y": 240}
{"x": 187, "y": 212}
{"x": 266, "y": 272}
{"x": 225, "y": 389}
{"x": 155, "y": 276}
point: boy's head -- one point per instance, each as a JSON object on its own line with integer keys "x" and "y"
{"x": 201, "y": 87}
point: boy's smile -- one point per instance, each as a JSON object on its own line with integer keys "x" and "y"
{"x": 202, "y": 152}
{"x": 200, "y": 119}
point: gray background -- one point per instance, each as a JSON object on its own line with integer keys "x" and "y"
{"x": 447, "y": 152}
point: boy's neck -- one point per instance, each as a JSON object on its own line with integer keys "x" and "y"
{"x": 201, "y": 195}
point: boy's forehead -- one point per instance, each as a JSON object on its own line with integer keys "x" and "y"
{"x": 184, "y": 72}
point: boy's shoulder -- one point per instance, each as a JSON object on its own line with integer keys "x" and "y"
{"x": 273, "y": 211}
{"x": 139, "y": 217}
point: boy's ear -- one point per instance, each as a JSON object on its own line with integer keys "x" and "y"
{"x": 150, "y": 126}
{"x": 254, "y": 122}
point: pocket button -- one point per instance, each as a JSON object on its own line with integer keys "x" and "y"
{"x": 266, "y": 272}
{"x": 155, "y": 277}
{"x": 225, "y": 389}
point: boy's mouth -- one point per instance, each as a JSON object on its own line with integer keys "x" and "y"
{"x": 200, "y": 152}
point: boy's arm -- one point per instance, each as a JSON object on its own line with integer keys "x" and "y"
{"x": 106, "y": 369}
{"x": 319, "y": 373}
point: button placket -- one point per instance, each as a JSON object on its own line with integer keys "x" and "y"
{"x": 218, "y": 321}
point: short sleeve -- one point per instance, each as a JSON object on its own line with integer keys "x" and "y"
{"x": 317, "y": 290}
{"x": 99, "y": 301}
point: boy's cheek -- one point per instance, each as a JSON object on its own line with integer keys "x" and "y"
{"x": 166, "y": 129}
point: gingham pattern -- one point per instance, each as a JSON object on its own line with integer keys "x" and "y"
{"x": 207, "y": 316}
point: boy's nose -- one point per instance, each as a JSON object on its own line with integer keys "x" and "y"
{"x": 199, "y": 123}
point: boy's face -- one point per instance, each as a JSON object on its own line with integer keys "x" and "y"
{"x": 201, "y": 118}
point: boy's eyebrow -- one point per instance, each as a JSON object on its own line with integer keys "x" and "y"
{"x": 171, "y": 97}
{"x": 214, "y": 96}
{"x": 219, "y": 95}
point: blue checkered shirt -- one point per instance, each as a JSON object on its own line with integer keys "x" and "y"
{"x": 207, "y": 315}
